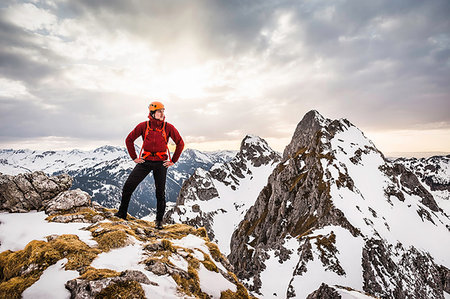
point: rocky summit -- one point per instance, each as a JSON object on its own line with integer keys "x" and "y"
{"x": 217, "y": 199}
{"x": 63, "y": 240}
{"x": 336, "y": 215}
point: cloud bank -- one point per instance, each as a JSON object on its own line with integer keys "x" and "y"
{"x": 86, "y": 70}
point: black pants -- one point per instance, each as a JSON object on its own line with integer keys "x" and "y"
{"x": 140, "y": 171}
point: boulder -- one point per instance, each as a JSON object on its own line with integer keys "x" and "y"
{"x": 67, "y": 200}
{"x": 28, "y": 191}
{"x": 86, "y": 289}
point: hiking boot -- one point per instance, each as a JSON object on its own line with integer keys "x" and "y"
{"x": 159, "y": 224}
{"x": 120, "y": 215}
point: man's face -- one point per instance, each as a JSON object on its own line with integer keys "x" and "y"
{"x": 159, "y": 114}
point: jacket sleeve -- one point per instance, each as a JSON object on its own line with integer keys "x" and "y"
{"x": 129, "y": 141}
{"x": 173, "y": 133}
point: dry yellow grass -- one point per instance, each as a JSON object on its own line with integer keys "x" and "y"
{"x": 22, "y": 268}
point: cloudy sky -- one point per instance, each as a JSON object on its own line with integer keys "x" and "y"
{"x": 80, "y": 74}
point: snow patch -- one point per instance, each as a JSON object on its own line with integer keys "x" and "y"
{"x": 18, "y": 229}
{"x": 213, "y": 283}
{"x": 52, "y": 282}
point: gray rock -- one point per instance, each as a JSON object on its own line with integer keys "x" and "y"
{"x": 411, "y": 185}
{"x": 75, "y": 218}
{"x": 85, "y": 289}
{"x": 445, "y": 278}
{"x": 25, "y": 192}
{"x": 157, "y": 267}
{"x": 324, "y": 292}
{"x": 67, "y": 200}
{"x": 431, "y": 171}
{"x": 385, "y": 278}
{"x": 97, "y": 218}
{"x": 136, "y": 276}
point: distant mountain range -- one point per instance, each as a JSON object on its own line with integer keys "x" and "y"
{"x": 103, "y": 171}
{"x": 417, "y": 155}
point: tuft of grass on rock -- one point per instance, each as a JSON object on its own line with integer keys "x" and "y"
{"x": 111, "y": 240}
{"x": 122, "y": 289}
{"x": 241, "y": 292}
{"x": 92, "y": 273}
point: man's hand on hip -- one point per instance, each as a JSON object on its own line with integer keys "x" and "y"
{"x": 168, "y": 163}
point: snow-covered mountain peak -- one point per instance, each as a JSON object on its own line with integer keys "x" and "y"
{"x": 314, "y": 127}
{"x": 107, "y": 149}
{"x": 314, "y": 116}
{"x": 226, "y": 191}
{"x": 311, "y": 122}
{"x": 254, "y": 148}
{"x": 253, "y": 140}
{"x": 197, "y": 155}
{"x": 332, "y": 210}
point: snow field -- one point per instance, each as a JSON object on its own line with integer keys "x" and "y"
{"x": 277, "y": 276}
{"x": 404, "y": 224}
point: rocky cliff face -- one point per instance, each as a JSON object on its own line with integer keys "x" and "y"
{"x": 434, "y": 175}
{"x": 225, "y": 192}
{"x": 86, "y": 252}
{"x": 335, "y": 211}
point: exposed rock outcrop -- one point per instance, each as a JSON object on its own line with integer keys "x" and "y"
{"x": 324, "y": 292}
{"x": 401, "y": 272}
{"x": 247, "y": 171}
{"x": 66, "y": 201}
{"x": 432, "y": 171}
{"x": 37, "y": 191}
{"x": 107, "y": 287}
{"x": 29, "y": 191}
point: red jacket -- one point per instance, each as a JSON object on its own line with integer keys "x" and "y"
{"x": 155, "y": 141}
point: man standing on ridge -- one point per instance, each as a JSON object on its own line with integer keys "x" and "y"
{"x": 154, "y": 156}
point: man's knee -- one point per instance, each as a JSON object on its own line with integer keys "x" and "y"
{"x": 160, "y": 195}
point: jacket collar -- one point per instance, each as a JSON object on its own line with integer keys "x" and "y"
{"x": 155, "y": 123}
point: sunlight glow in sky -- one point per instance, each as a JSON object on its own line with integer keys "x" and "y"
{"x": 80, "y": 74}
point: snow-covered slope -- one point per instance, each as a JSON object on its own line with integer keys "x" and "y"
{"x": 434, "y": 173}
{"x": 335, "y": 211}
{"x": 225, "y": 192}
{"x": 103, "y": 171}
